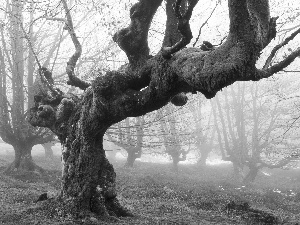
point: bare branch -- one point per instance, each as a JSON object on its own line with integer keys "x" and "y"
{"x": 279, "y": 164}
{"x": 277, "y": 47}
{"x": 73, "y": 80}
{"x": 56, "y": 19}
{"x": 205, "y": 22}
{"x": 277, "y": 67}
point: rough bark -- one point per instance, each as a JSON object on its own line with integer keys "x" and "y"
{"x": 144, "y": 85}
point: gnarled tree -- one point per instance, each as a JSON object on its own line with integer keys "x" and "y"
{"x": 145, "y": 84}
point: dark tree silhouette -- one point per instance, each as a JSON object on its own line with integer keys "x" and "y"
{"x": 145, "y": 84}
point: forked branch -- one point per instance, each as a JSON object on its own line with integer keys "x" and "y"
{"x": 133, "y": 40}
{"x": 183, "y": 27}
{"x": 277, "y": 47}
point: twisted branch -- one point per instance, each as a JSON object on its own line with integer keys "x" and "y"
{"x": 133, "y": 40}
{"x": 73, "y": 80}
{"x": 183, "y": 27}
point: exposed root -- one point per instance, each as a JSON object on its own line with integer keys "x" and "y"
{"x": 109, "y": 211}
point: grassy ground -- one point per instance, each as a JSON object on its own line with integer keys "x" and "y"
{"x": 156, "y": 195}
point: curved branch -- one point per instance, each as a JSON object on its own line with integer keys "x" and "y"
{"x": 250, "y": 22}
{"x": 183, "y": 27}
{"x": 73, "y": 80}
{"x": 133, "y": 40}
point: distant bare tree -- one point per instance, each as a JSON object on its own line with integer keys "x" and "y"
{"x": 130, "y": 138}
{"x": 15, "y": 97}
{"x": 249, "y": 120}
{"x": 171, "y": 137}
{"x": 203, "y": 135}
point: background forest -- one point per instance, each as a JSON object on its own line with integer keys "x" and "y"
{"x": 233, "y": 159}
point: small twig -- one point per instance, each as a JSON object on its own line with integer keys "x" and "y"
{"x": 222, "y": 40}
{"x": 291, "y": 71}
{"x": 57, "y": 19}
{"x": 203, "y": 24}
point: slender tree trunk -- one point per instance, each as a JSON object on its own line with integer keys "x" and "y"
{"x": 237, "y": 171}
{"x": 131, "y": 157}
{"x": 23, "y": 160}
{"x": 251, "y": 175}
{"x": 203, "y": 158}
{"x": 204, "y": 150}
{"x": 175, "y": 160}
{"x": 48, "y": 150}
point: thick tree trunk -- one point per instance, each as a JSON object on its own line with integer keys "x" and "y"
{"x": 23, "y": 160}
{"x": 88, "y": 182}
